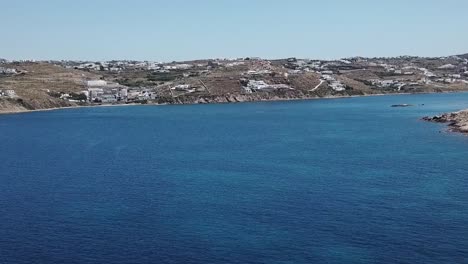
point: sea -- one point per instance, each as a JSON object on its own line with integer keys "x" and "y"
{"x": 348, "y": 180}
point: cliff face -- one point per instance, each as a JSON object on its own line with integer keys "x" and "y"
{"x": 253, "y": 97}
{"x": 457, "y": 121}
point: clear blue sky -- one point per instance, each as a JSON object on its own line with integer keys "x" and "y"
{"x": 191, "y": 29}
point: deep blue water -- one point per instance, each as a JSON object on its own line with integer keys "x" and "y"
{"x": 321, "y": 181}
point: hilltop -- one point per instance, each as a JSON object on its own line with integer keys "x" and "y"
{"x": 464, "y": 56}
{"x": 28, "y": 85}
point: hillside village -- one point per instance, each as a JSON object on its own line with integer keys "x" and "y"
{"x": 28, "y": 85}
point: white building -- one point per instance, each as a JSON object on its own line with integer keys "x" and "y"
{"x": 427, "y": 73}
{"x": 95, "y": 93}
{"x": 10, "y": 93}
{"x": 447, "y": 66}
{"x": 262, "y": 86}
{"x": 181, "y": 87}
{"x": 183, "y": 66}
{"x": 123, "y": 92}
{"x": 337, "y": 86}
{"x": 455, "y": 76}
{"x": 257, "y": 85}
{"x": 96, "y": 83}
{"x": 7, "y": 70}
{"x": 108, "y": 98}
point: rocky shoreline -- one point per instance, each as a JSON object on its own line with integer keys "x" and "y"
{"x": 457, "y": 121}
{"x": 12, "y": 106}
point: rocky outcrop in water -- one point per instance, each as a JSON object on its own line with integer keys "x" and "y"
{"x": 458, "y": 121}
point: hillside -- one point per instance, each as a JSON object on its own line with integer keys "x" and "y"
{"x": 464, "y": 56}
{"x": 50, "y": 84}
{"x": 39, "y": 85}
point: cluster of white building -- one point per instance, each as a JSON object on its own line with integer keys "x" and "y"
{"x": 301, "y": 66}
{"x": 183, "y": 88}
{"x": 450, "y": 78}
{"x": 101, "y": 91}
{"x": 258, "y": 72}
{"x": 428, "y": 78}
{"x": 234, "y": 64}
{"x": 332, "y": 82}
{"x": 115, "y": 95}
{"x": 253, "y": 86}
{"x": 258, "y": 67}
{"x": 8, "y": 93}
{"x": 117, "y": 66}
{"x": 4, "y": 70}
{"x": 443, "y": 78}
{"x": 390, "y": 84}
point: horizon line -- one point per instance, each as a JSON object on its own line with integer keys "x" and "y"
{"x": 232, "y": 58}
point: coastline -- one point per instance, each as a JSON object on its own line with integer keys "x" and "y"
{"x": 63, "y": 108}
{"x": 253, "y": 101}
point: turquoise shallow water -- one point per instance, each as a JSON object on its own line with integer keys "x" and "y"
{"x": 321, "y": 181}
